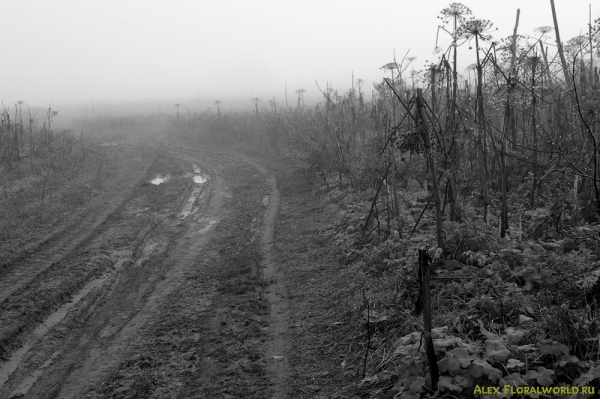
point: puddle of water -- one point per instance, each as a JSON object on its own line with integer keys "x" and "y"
{"x": 7, "y": 368}
{"x": 199, "y": 179}
{"x": 189, "y": 208}
{"x": 160, "y": 179}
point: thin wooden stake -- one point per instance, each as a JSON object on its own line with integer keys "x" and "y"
{"x": 425, "y": 290}
{"x": 430, "y": 160}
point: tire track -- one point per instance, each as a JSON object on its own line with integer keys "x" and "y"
{"x": 94, "y": 353}
{"x": 22, "y": 272}
{"x": 107, "y": 323}
{"x": 277, "y": 349}
{"x": 204, "y": 314}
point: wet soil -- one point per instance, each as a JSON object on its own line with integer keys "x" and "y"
{"x": 173, "y": 287}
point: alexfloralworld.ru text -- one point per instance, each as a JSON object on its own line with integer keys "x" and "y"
{"x": 527, "y": 390}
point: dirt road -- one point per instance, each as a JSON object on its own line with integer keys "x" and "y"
{"x": 165, "y": 288}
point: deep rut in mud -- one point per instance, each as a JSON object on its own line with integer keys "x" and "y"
{"x": 173, "y": 292}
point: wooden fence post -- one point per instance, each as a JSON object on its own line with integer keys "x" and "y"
{"x": 426, "y": 297}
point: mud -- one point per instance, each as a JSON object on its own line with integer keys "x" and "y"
{"x": 170, "y": 289}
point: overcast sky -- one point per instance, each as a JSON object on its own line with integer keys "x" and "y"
{"x": 137, "y": 50}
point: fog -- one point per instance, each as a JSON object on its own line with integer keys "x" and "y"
{"x": 155, "y": 53}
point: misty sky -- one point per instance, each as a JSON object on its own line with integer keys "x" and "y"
{"x": 137, "y": 50}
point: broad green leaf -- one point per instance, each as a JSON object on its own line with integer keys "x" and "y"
{"x": 482, "y": 365}
{"x": 444, "y": 343}
{"x": 475, "y": 370}
{"x": 408, "y": 381}
{"x": 488, "y": 335}
{"x": 463, "y": 355}
{"x": 494, "y": 375}
{"x": 515, "y": 335}
{"x": 409, "y": 339}
{"x": 447, "y": 383}
{"x": 408, "y": 369}
{"x": 592, "y": 374}
{"x": 527, "y": 348}
{"x": 513, "y": 363}
{"x": 514, "y": 380}
{"x": 449, "y": 363}
{"x": 463, "y": 381}
{"x": 524, "y": 319}
{"x": 594, "y": 371}
{"x": 496, "y": 350}
{"x": 417, "y": 385}
{"x": 584, "y": 379}
{"x": 545, "y": 376}
{"x": 564, "y": 359}
{"x": 553, "y": 348}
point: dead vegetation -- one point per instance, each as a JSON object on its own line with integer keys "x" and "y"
{"x": 494, "y": 173}
{"x": 48, "y": 176}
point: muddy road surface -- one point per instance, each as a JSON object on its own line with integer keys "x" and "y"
{"x": 165, "y": 288}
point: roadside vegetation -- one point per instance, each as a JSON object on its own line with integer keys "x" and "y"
{"x": 49, "y": 176}
{"x": 488, "y": 177}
